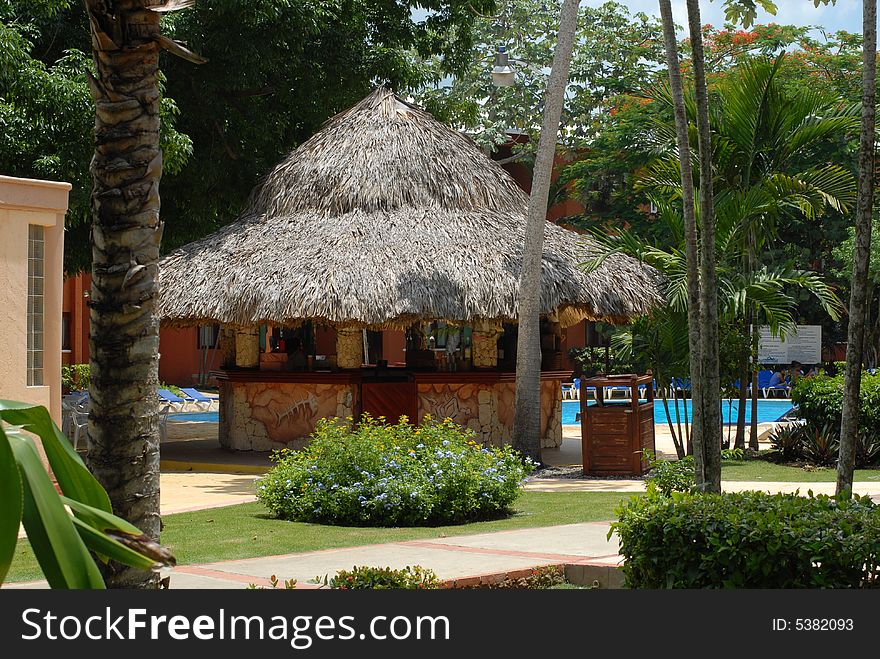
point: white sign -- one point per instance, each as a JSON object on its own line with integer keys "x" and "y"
{"x": 804, "y": 346}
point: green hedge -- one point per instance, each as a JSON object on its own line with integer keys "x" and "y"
{"x": 749, "y": 540}
{"x": 820, "y": 402}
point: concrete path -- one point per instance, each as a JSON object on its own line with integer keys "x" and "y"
{"x": 464, "y": 559}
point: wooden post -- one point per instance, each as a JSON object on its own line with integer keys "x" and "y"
{"x": 349, "y": 347}
{"x": 485, "y": 344}
{"x": 247, "y": 347}
{"x": 227, "y": 347}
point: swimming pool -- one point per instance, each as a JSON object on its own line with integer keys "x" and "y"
{"x": 768, "y": 411}
{"x": 202, "y": 417}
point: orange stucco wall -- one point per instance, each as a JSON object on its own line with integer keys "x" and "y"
{"x": 24, "y": 202}
{"x": 74, "y": 306}
{"x": 181, "y": 359}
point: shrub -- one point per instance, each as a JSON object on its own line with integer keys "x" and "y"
{"x": 383, "y": 578}
{"x": 670, "y": 476}
{"x": 786, "y": 441}
{"x": 820, "y": 446}
{"x": 541, "y": 578}
{"x": 749, "y": 540}
{"x": 75, "y": 377}
{"x": 733, "y": 454}
{"x": 820, "y": 402}
{"x": 867, "y": 449}
{"x": 392, "y": 475}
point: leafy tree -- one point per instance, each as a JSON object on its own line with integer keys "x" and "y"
{"x": 616, "y": 52}
{"x": 46, "y": 111}
{"x": 277, "y": 69}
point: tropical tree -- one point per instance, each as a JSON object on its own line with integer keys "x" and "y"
{"x": 229, "y": 120}
{"x": 615, "y": 53}
{"x": 123, "y": 437}
{"x": 683, "y": 151}
{"x": 47, "y": 112}
{"x": 861, "y": 261}
{"x": 767, "y": 139}
{"x": 527, "y": 415}
{"x": 659, "y": 343}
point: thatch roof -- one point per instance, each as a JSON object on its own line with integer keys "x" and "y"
{"x": 383, "y": 217}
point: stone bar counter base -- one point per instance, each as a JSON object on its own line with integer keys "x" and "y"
{"x": 267, "y": 410}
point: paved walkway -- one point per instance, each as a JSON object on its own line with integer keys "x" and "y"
{"x": 464, "y": 559}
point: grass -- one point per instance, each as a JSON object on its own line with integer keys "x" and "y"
{"x": 246, "y": 530}
{"x": 761, "y": 470}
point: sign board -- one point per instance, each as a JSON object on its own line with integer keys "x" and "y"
{"x": 805, "y": 346}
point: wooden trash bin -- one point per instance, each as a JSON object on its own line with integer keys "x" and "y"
{"x": 615, "y": 433}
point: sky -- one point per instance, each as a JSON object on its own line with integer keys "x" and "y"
{"x": 845, "y": 15}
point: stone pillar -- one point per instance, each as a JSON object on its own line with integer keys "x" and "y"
{"x": 247, "y": 347}
{"x": 227, "y": 347}
{"x": 349, "y": 347}
{"x": 553, "y": 437}
{"x": 485, "y": 344}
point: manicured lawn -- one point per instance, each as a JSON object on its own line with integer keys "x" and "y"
{"x": 246, "y": 531}
{"x": 761, "y": 470}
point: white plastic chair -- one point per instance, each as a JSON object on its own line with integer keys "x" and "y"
{"x": 77, "y": 415}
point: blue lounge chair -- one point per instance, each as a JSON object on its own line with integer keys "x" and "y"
{"x": 175, "y": 401}
{"x": 764, "y": 378}
{"x": 202, "y": 401}
{"x": 680, "y": 384}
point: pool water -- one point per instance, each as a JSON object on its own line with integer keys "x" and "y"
{"x": 202, "y": 417}
{"x": 768, "y": 411}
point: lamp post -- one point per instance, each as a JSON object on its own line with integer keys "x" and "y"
{"x": 502, "y": 73}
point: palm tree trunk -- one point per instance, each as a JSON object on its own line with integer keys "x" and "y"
{"x": 739, "y": 440}
{"x": 690, "y": 228}
{"x": 676, "y": 438}
{"x": 527, "y": 418}
{"x": 123, "y": 442}
{"x": 708, "y": 433}
{"x": 858, "y": 296}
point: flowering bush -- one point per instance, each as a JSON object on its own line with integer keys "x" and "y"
{"x": 392, "y": 475}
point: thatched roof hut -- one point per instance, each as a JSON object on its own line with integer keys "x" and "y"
{"x": 383, "y": 217}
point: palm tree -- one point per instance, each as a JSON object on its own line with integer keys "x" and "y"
{"x": 761, "y": 135}
{"x": 709, "y": 430}
{"x": 123, "y": 437}
{"x": 527, "y": 416}
{"x": 659, "y": 342}
{"x": 861, "y": 261}
{"x": 682, "y": 145}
